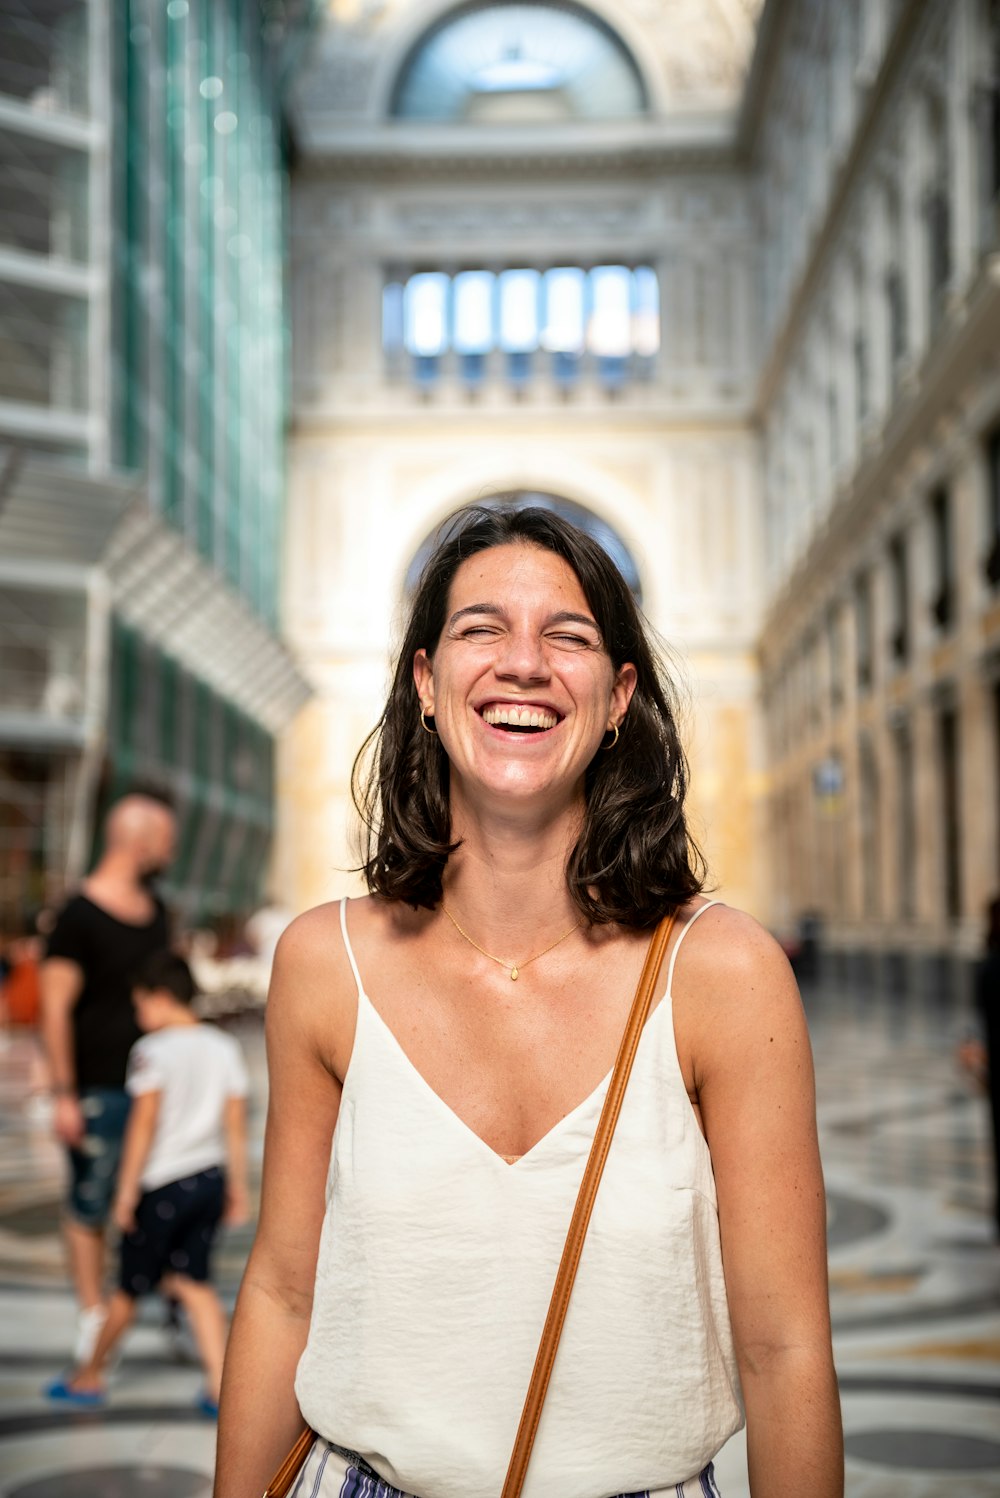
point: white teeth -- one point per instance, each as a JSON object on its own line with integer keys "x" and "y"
{"x": 524, "y": 717}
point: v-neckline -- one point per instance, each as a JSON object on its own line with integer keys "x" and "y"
{"x": 467, "y": 1129}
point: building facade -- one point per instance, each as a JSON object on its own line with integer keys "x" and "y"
{"x": 874, "y": 141}
{"x": 142, "y": 412}
{"x": 792, "y": 438}
{"x": 523, "y": 261}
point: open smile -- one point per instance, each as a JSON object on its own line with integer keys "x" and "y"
{"x": 524, "y": 717}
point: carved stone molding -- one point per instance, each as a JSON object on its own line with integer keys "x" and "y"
{"x": 492, "y": 217}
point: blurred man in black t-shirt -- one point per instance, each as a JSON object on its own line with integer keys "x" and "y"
{"x": 100, "y": 937}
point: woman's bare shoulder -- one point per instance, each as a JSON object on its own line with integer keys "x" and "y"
{"x": 730, "y": 959}
{"x": 737, "y": 1011}
{"x": 312, "y": 939}
{"x": 312, "y": 955}
{"x": 735, "y": 930}
{"x": 312, "y": 1000}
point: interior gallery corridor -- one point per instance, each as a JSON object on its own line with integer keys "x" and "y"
{"x": 915, "y": 1282}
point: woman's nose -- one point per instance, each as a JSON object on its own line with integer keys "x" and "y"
{"x": 522, "y": 657}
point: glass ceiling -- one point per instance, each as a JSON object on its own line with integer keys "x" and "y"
{"x": 519, "y": 62}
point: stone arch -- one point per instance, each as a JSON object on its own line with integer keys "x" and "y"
{"x": 583, "y": 516}
{"x": 427, "y": 15}
{"x": 611, "y": 503}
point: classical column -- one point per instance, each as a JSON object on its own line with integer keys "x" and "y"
{"x": 979, "y": 800}
{"x": 877, "y": 318}
{"x": 961, "y": 115}
{"x": 913, "y": 179}
{"x": 928, "y": 851}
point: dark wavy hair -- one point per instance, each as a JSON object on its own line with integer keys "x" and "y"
{"x": 634, "y": 859}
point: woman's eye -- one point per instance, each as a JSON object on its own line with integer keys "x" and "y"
{"x": 478, "y": 632}
{"x": 578, "y": 642}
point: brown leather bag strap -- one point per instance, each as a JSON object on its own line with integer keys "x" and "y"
{"x": 566, "y": 1274}
{"x": 286, "y": 1474}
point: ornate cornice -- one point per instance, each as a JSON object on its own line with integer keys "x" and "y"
{"x": 392, "y": 152}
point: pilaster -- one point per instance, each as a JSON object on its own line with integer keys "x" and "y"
{"x": 961, "y": 110}
{"x": 912, "y": 160}
{"x": 928, "y": 850}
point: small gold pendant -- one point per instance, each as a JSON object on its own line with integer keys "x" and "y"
{"x": 513, "y": 975}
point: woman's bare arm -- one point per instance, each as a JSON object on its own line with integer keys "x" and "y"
{"x": 310, "y": 1018}
{"x": 753, "y": 1074}
{"x": 235, "y": 1128}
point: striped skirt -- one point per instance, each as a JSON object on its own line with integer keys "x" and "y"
{"x": 331, "y": 1472}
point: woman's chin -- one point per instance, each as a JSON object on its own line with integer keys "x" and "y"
{"x": 519, "y": 786}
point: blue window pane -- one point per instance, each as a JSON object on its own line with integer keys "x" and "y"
{"x": 645, "y": 312}
{"x": 565, "y": 290}
{"x": 392, "y": 317}
{"x": 519, "y": 329}
{"x": 426, "y": 369}
{"x": 425, "y": 314}
{"x": 473, "y": 312}
{"x": 565, "y": 368}
{"x": 473, "y": 369}
{"x": 612, "y": 371}
{"x": 609, "y": 329}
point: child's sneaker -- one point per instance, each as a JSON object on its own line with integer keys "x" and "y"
{"x": 61, "y": 1389}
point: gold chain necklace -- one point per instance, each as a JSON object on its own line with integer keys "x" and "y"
{"x": 514, "y": 968}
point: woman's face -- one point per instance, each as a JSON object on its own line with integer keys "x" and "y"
{"x": 520, "y": 687}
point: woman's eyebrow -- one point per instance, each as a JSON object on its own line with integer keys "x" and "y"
{"x": 476, "y": 608}
{"x": 563, "y": 616}
{"x": 566, "y": 616}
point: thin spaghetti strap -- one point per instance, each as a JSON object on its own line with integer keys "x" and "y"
{"x": 681, "y": 935}
{"x": 348, "y": 948}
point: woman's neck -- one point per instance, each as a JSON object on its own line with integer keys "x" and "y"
{"x": 508, "y": 880}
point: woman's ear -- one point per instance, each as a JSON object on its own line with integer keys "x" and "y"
{"x": 423, "y": 676}
{"x": 621, "y": 693}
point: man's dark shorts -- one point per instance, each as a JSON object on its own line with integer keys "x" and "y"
{"x": 175, "y": 1229}
{"x": 94, "y": 1164}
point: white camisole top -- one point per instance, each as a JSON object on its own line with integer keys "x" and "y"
{"x": 437, "y": 1260}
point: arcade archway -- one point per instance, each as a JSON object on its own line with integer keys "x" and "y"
{"x": 603, "y": 533}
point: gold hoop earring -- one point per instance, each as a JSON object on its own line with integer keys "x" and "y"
{"x": 614, "y": 741}
{"x": 423, "y": 724}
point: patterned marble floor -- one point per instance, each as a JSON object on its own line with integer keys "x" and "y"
{"x": 915, "y": 1283}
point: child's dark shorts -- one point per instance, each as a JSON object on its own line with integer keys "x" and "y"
{"x": 175, "y": 1228}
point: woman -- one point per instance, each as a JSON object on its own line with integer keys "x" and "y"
{"x": 526, "y": 823}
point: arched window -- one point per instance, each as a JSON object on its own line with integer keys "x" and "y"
{"x": 518, "y": 62}
{"x": 604, "y": 534}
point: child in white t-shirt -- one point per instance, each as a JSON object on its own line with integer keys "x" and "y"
{"x": 183, "y": 1171}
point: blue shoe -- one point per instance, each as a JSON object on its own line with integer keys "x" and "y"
{"x": 206, "y": 1406}
{"x": 80, "y": 1399}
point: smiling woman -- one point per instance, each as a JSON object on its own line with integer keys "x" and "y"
{"x": 440, "y": 1071}
{"x": 565, "y": 602}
